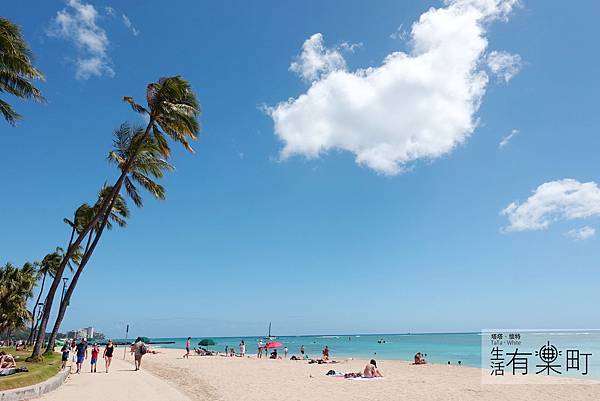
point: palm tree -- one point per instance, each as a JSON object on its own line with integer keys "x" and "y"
{"x": 16, "y": 69}
{"x": 172, "y": 110}
{"x": 47, "y": 266}
{"x": 118, "y": 214}
{"x": 16, "y": 287}
{"x": 148, "y": 164}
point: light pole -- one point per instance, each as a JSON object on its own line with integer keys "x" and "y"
{"x": 40, "y": 306}
{"x": 62, "y": 296}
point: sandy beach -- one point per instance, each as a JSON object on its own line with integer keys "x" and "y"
{"x": 167, "y": 376}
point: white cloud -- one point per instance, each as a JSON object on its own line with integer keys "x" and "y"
{"x": 565, "y": 199}
{"x": 109, "y": 11}
{"x": 504, "y": 65}
{"x": 416, "y": 105}
{"x": 400, "y": 33}
{"x": 316, "y": 61}
{"x": 579, "y": 234}
{"x": 130, "y": 26}
{"x": 506, "y": 139}
{"x": 77, "y": 23}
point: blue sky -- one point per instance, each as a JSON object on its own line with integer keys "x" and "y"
{"x": 314, "y": 240}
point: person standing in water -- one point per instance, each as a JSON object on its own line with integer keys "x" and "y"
{"x": 108, "y": 354}
{"x": 285, "y": 351}
{"x": 326, "y": 353}
{"x": 260, "y": 349}
{"x": 187, "y": 348}
{"x": 243, "y": 348}
{"x": 302, "y": 350}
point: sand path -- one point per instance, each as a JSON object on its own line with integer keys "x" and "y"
{"x": 121, "y": 383}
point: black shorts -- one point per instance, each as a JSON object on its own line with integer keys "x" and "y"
{"x": 65, "y": 358}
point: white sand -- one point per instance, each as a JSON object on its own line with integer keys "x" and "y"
{"x": 236, "y": 379}
{"x": 222, "y": 378}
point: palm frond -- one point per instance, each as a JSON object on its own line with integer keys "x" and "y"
{"x": 133, "y": 193}
{"x": 157, "y": 190}
{"x": 9, "y": 114}
{"x": 16, "y": 69}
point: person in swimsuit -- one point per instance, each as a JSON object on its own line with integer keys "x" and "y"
{"x": 302, "y": 350}
{"x": 243, "y": 348}
{"x": 419, "y": 359}
{"x": 187, "y": 348}
{"x": 326, "y": 353}
{"x": 94, "y": 359}
{"x": 65, "y": 355}
{"x": 108, "y": 354}
{"x": 371, "y": 370}
{"x": 7, "y": 360}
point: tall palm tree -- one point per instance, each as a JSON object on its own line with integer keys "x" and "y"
{"x": 47, "y": 267}
{"x": 118, "y": 213}
{"x": 148, "y": 165}
{"x": 172, "y": 110}
{"x": 16, "y": 69}
{"x": 16, "y": 287}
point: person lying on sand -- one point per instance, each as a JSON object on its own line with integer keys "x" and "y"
{"x": 419, "y": 359}
{"x": 204, "y": 352}
{"x": 7, "y": 360}
{"x": 371, "y": 370}
{"x": 321, "y": 361}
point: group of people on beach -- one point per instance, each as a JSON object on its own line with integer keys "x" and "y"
{"x": 80, "y": 354}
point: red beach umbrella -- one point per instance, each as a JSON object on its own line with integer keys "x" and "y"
{"x": 273, "y": 344}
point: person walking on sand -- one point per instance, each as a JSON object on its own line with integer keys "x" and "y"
{"x": 81, "y": 350}
{"x": 94, "y": 359}
{"x": 139, "y": 349}
{"x": 187, "y": 348}
{"x": 74, "y": 349}
{"x": 65, "y": 355}
{"x": 243, "y": 348}
{"x": 108, "y": 354}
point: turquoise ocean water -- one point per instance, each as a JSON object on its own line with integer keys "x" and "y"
{"x": 439, "y": 347}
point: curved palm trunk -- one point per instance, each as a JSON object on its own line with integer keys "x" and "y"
{"x": 89, "y": 250}
{"x": 41, "y": 333}
{"x": 106, "y": 203}
{"x": 65, "y": 301}
{"x": 33, "y": 319}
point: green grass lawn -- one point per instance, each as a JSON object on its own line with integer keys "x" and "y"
{"x": 38, "y": 372}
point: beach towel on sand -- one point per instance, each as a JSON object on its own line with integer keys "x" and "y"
{"x": 365, "y": 378}
{"x": 8, "y": 371}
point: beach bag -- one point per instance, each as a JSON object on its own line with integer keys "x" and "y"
{"x": 143, "y": 349}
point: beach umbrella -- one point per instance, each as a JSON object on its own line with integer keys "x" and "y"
{"x": 206, "y": 342}
{"x": 273, "y": 344}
